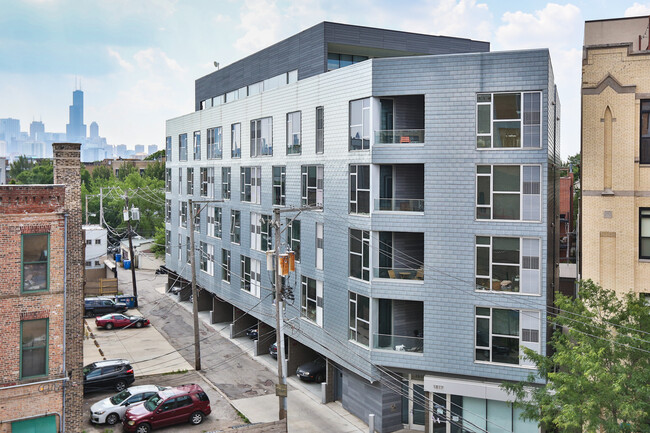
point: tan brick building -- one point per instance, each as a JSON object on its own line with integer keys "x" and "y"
{"x": 41, "y": 382}
{"x": 616, "y": 154}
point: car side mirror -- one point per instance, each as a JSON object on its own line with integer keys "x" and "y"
{"x": 126, "y": 403}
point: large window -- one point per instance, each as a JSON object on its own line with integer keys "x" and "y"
{"x": 311, "y": 300}
{"x": 168, "y": 211}
{"x": 182, "y": 147}
{"x": 207, "y": 181}
{"x": 235, "y": 140}
{"x": 359, "y": 189}
{"x": 360, "y": 254}
{"x": 508, "y": 192}
{"x": 214, "y": 222}
{"x": 294, "y": 128}
{"x": 261, "y": 232}
{"x": 190, "y": 181}
{"x": 180, "y": 180}
{"x": 250, "y": 276}
{"x": 168, "y": 149}
{"x": 168, "y": 180}
{"x": 251, "y": 184}
{"x": 235, "y": 226}
{"x": 645, "y": 132}
{"x": 196, "y": 211}
{"x": 336, "y": 60}
{"x": 197, "y": 145}
{"x": 36, "y": 262}
{"x": 293, "y": 237}
{"x": 215, "y": 143}
{"x": 502, "y": 123}
{"x": 508, "y": 264}
{"x": 360, "y": 124}
{"x": 33, "y": 348}
{"x": 225, "y": 183}
{"x": 262, "y": 136}
{"x": 319, "y": 245}
{"x": 644, "y": 233}
{"x": 320, "y": 130}
{"x": 312, "y": 185}
{"x": 279, "y": 185}
{"x": 182, "y": 212}
{"x": 225, "y": 265}
{"x": 359, "y": 327}
{"x": 500, "y": 333}
{"x": 207, "y": 258}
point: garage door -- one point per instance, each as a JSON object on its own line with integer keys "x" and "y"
{"x": 46, "y": 424}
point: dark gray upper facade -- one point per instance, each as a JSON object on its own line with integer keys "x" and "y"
{"x": 307, "y": 52}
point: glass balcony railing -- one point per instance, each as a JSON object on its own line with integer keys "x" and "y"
{"x": 400, "y": 204}
{"x": 399, "y": 136}
{"x": 398, "y": 343}
{"x": 399, "y": 273}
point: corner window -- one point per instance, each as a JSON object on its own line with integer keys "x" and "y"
{"x": 360, "y": 124}
{"x": 312, "y": 185}
{"x": 359, "y": 189}
{"x": 34, "y": 348}
{"x": 508, "y": 192}
{"x": 215, "y": 143}
{"x": 235, "y": 226}
{"x": 294, "y": 127}
{"x": 235, "y": 140}
{"x": 293, "y": 237}
{"x": 311, "y": 300}
{"x": 225, "y": 265}
{"x": 644, "y": 233}
{"x": 182, "y": 147}
{"x": 279, "y": 185}
{"x": 35, "y": 262}
{"x": 225, "y": 183}
{"x": 359, "y": 325}
{"x": 251, "y": 184}
{"x": 502, "y": 123}
{"x": 320, "y": 130}
{"x": 360, "y": 254}
{"x": 168, "y": 149}
{"x": 197, "y": 145}
{"x": 508, "y": 264}
{"x": 500, "y": 333}
{"x": 262, "y": 137}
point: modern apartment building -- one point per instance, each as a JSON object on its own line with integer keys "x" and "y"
{"x": 41, "y": 381}
{"x": 433, "y": 258}
{"x": 616, "y": 155}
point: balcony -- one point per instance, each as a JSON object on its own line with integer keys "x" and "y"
{"x": 401, "y": 188}
{"x": 399, "y": 325}
{"x": 400, "y": 204}
{"x": 401, "y": 120}
{"x": 400, "y": 256}
{"x": 399, "y": 273}
{"x": 399, "y": 136}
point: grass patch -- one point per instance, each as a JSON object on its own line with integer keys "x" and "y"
{"x": 243, "y": 417}
{"x": 175, "y": 372}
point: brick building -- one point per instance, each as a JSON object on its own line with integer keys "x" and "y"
{"x": 41, "y": 382}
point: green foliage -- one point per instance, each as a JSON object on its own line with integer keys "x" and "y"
{"x": 126, "y": 170}
{"x": 19, "y": 165}
{"x": 102, "y": 172}
{"x": 156, "y": 156}
{"x": 597, "y": 378}
{"x": 155, "y": 170}
{"x": 158, "y": 247}
{"x": 39, "y": 173}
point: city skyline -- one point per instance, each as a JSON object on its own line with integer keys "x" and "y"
{"x": 137, "y": 70}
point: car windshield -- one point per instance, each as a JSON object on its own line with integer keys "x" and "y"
{"x": 88, "y": 369}
{"x": 119, "y": 398}
{"x": 152, "y": 403}
{"x": 106, "y": 317}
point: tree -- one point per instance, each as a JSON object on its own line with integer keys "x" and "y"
{"x": 598, "y": 373}
{"x": 19, "y": 165}
{"x": 126, "y": 169}
{"x": 158, "y": 156}
{"x": 40, "y": 173}
{"x": 158, "y": 247}
{"x": 102, "y": 172}
{"x": 155, "y": 170}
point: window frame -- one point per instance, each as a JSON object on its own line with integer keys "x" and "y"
{"x": 316, "y": 301}
{"x": 256, "y": 137}
{"x": 364, "y": 239}
{"x": 189, "y": 181}
{"x": 235, "y": 226}
{"x": 365, "y": 118}
{"x": 320, "y": 130}
{"x": 320, "y": 246}
{"x": 225, "y": 265}
{"x": 196, "y": 145}
{"x": 291, "y": 148}
{"x": 261, "y": 239}
{"x": 215, "y": 221}
{"x": 254, "y": 188}
{"x": 23, "y": 263}
{"x": 168, "y": 179}
{"x": 520, "y": 193}
{"x": 168, "y": 148}
{"x": 354, "y": 189}
{"x": 226, "y": 183}
{"x": 182, "y": 147}
{"x": 353, "y": 331}
{"x": 214, "y": 143}
{"x": 46, "y": 346}
{"x": 306, "y": 188}
{"x": 521, "y": 120}
{"x": 235, "y": 140}
{"x": 293, "y": 228}
{"x": 641, "y": 237}
{"x": 279, "y": 189}
{"x": 251, "y": 273}
{"x": 182, "y": 213}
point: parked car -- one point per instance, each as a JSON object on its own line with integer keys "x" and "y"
{"x": 111, "y": 410}
{"x": 186, "y": 403}
{"x": 313, "y": 371}
{"x": 114, "y": 373}
{"x": 100, "y": 306}
{"x": 273, "y": 350}
{"x": 110, "y": 321}
{"x": 252, "y": 333}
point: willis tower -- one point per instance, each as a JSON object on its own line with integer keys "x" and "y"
{"x": 76, "y": 130}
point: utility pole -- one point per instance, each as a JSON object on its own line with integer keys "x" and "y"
{"x": 131, "y": 254}
{"x": 195, "y": 299}
{"x": 281, "y": 387}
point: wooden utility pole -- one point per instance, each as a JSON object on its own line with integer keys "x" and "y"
{"x": 131, "y": 254}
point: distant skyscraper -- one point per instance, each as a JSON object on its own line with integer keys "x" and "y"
{"x": 94, "y": 130}
{"x": 9, "y": 129}
{"x": 120, "y": 151}
{"x": 76, "y": 129}
{"x": 139, "y": 148}
{"x": 37, "y": 131}
{"x": 152, "y": 148}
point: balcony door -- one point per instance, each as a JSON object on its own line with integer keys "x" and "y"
{"x": 413, "y": 406}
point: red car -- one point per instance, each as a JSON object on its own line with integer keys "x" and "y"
{"x": 185, "y": 403}
{"x": 117, "y": 320}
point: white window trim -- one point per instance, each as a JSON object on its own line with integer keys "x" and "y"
{"x": 350, "y": 252}
{"x": 520, "y": 193}
{"x": 318, "y": 320}
{"x": 356, "y": 318}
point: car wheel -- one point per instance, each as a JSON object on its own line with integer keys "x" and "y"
{"x": 108, "y": 326}
{"x": 112, "y": 419}
{"x": 143, "y": 428}
{"x": 120, "y": 386}
{"x": 319, "y": 378}
{"x": 196, "y": 418}
{"x": 138, "y": 324}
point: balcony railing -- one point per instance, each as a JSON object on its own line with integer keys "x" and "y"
{"x": 399, "y": 136}
{"x": 399, "y": 273}
{"x": 400, "y": 204}
{"x": 398, "y": 343}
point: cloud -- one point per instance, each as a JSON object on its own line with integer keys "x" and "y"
{"x": 123, "y": 63}
{"x": 637, "y": 9}
{"x": 154, "y": 58}
{"x": 260, "y": 21}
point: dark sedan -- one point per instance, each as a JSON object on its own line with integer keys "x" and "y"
{"x": 111, "y": 321}
{"x": 313, "y": 371}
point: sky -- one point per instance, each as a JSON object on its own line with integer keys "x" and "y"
{"x": 136, "y": 61}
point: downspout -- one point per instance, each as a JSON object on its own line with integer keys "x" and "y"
{"x": 65, "y": 309}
